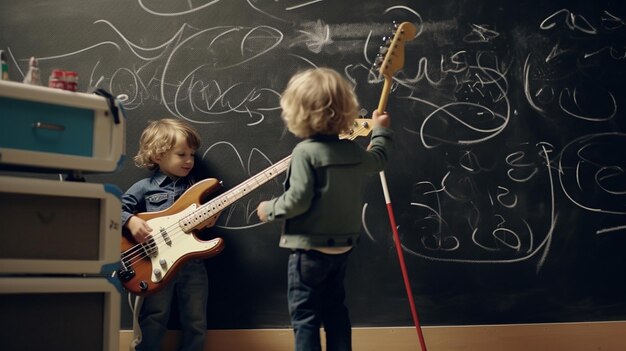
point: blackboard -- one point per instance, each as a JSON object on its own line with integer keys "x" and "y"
{"x": 507, "y": 179}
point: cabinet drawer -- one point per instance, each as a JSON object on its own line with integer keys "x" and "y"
{"x": 54, "y": 227}
{"x": 60, "y": 313}
{"x": 47, "y": 129}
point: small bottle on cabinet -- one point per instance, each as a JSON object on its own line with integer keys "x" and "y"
{"x": 33, "y": 76}
{"x": 4, "y": 74}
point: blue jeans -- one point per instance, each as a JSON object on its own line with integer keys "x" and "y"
{"x": 316, "y": 297}
{"x": 191, "y": 287}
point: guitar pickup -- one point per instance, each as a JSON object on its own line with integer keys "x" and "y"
{"x": 166, "y": 237}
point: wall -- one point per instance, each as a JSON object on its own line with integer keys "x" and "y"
{"x": 507, "y": 178}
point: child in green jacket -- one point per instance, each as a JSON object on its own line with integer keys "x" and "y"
{"x": 322, "y": 202}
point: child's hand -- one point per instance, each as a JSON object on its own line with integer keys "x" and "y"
{"x": 381, "y": 119}
{"x": 260, "y": 211}
{"x": 139, "y": 229}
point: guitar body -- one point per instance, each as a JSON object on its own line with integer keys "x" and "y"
{"x": 148, "y": 267}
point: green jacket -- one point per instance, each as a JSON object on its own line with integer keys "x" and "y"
{"x": 323, "y": 194}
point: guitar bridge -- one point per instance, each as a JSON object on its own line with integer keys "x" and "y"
{"x": 125, "y": 274}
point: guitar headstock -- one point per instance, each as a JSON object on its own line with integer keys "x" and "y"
{"x": 361, "y": 127}
{"x": 390, "y": 58}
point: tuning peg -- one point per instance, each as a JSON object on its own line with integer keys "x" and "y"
{"x": 383, "y": 50}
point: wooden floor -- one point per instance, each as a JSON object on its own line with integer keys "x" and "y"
{"x": 601, "y": 336}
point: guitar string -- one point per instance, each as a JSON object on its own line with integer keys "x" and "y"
{"x": 137, "y": 253}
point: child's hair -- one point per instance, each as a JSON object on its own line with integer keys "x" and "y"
{"x": 159, "y": 137}
{"x": 318, "y": 101}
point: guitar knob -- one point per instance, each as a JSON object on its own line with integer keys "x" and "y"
{"x": 163, "y": 263}
{"x": 157, "y": 272}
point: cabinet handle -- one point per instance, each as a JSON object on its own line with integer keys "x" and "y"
{"x": 48, "y": 126}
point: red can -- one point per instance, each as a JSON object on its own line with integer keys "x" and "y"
{"x": 57, "y": 79}
{"x": 71, "y": 81}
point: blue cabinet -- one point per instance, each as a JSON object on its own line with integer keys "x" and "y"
{"x": 57, "y": 130}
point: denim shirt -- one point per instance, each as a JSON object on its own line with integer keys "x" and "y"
{"x": 156, "y": 193}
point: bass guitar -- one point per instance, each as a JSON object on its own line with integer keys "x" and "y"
{"x": 147, "y": 267}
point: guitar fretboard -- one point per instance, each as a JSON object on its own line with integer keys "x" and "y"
{"x": 217, "y": 205}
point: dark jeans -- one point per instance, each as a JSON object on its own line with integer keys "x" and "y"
{"x": 192, "y": 288}
{"x": 316, "y": 297}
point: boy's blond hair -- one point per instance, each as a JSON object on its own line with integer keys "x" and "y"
{"x": 159, "y": 137}
{"x": 318, "y": 101}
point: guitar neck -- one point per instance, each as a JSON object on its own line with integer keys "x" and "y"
{"x": 384, "y": 96}
{"x": 218, "y": 204}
